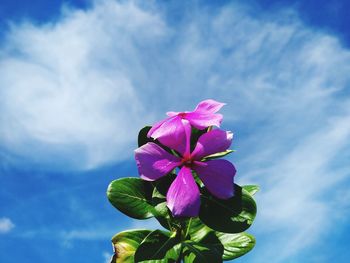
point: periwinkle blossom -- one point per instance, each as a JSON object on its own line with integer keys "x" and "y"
{"x": 173, "y": 130}
{"x": 183, "y": 196}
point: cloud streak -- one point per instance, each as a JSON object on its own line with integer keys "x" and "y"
{"x": 6, "y": 225}
{"x": 65, "y": 89}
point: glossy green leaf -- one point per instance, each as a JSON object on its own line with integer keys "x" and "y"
{"x": 217, "y": 155}
{"x": 201, "y": 253}
{"x": 251, "y": 189}
{"x": 235, "y": 245}
{"x": 161, "y": 187}
{"x": 196, "y": 229}
{"x": 170, "y": 257}
{"x": 197, "y": 179}
{"x": 195, "y": 134}
{"x": 157, "y": 246}
{"x": 230, "y": 245}
{"x": 233, "y": 215}
{"x": 132, "y": 196}
{"x": 174, "y": 253}
{"x": 142, "y": 137}
{"x": 125, "y": 244}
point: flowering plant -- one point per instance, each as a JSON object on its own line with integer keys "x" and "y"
{"x": 187, "y": 187}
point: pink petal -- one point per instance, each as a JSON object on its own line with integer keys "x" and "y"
{"x": 203, "y": 120}
{"x": 209, "y": 106}
{"x": 183, "y": 197}
{"x": 156, "y": 127}
{"x": 217, "y": 177}
{"x": 154, "y": 162}
{"x": 212, "y": 142}
{"x": 173, "y": 133}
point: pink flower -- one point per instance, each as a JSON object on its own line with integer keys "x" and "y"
{"x": 173, "y": 131}
{"x": 183, "y": 197}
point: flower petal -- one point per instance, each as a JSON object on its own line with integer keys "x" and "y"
{"x": 217, "y": 177}
{"x": 212, "y": 142}
{"x": 209, "y": 106}
{"x": 154, "y": 162}
{"x": 183, "y": 197}
{"x": 173, "y": 132}
{"x": 203, "y": 120}
{"x": 156, "y": 127}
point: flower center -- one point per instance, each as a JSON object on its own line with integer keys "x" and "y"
{"x": 182, "y": 115}
{"x": 187, "y": 161}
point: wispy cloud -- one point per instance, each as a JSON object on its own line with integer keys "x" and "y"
{"x": 66, "y": 87}
{"x": 298, "y": 195}
{"x": 76, "y": 91}
{"x": 6, "y": 225}
{"x": 67, "y": 238}
{"x": 104, "y": 233}
{"x": 87, "y": 234}
{"x": 79, "y": 89}
{"x": 107, "y": 257}
{"x": 151, "y": 224}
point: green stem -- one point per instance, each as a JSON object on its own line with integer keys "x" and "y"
{"x": 179, "y": 260}
{"x": 188, "y": 227}
{"x": 169, "y": 225}
{"x": 174, "y": 152}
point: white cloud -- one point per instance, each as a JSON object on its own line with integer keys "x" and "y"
{"x": 80, "y": 89}
{"x": 75, "y": 92}
{"x": 298, "y": 200}
{"x": 151, "y": 224}
{"x": 66, "y": 89}
{"x": 89, "y": 234}
{"x": 6, "y": 225}
{"x": 107, "y": 257}
{"x": 69, "y": 237}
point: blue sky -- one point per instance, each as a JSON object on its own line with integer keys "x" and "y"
{"x": 78, "y": 80}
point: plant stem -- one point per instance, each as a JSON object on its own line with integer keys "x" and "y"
{"x": 188, "y": 227}
{"x": 179, "y": 260}
{"x": 169, "y": 225}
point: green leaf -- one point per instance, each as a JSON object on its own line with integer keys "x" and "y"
{"x": 196, "y": 229}
{"x": 161, "y": 187}
{"x": 197, "y": 179}
{"x": 125, "y": 244}
{"x": 132, "y": 196}
{"x": 201, "y": 253}
{"x": 235, "y": 245}
{"x": 157, "y": 246}
{"x": 233, "y": 215}
{"x": 217, "y": 155}
{"x": 170, "y": 257}
{"x": 251, "y": 189}
{"x": 142, "y": 138}
{"x": 195, "y": 134}
{"x": 174, "y": 253}
{"x": 229, "y": 245}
